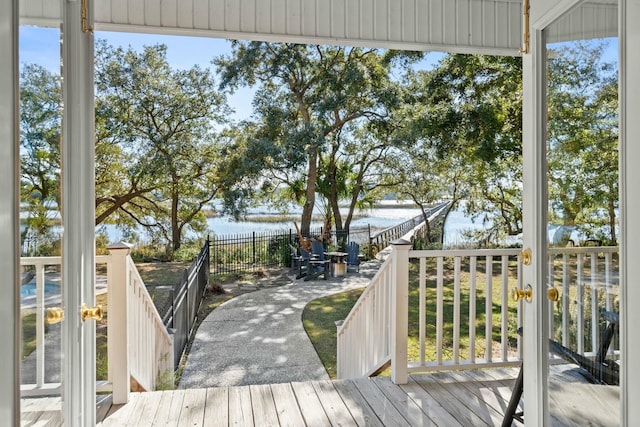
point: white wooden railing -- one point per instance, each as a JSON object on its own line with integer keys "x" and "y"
{"x": 366, "y": 330}
{"x": 588, "y": 281}
{"x": 377, "y": 324}
{"x": 139, "y": 346}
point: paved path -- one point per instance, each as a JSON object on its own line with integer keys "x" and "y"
{"x": 258, "y": 337}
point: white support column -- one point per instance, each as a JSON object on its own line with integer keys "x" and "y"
{"x": 118, "y": 343}
{"x": 629, "y": 209}
{"x": 9, "y": 216}
{"x": 536, "y": 331}
{"x": 400, "y": 311}
{"x": 78, "y": 213}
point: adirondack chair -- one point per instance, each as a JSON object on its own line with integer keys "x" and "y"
{"x": 296, "y": 260}
{"x": 353, "y": 256}
{"x": 316, "y": 264}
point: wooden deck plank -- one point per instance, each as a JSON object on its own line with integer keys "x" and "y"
{"x": 498, "y": 392}
{"x": 41, "y": 411}
{"x": 216, "y": 411}
{"x": 119, "y": 415}
{"x": 169, "y": 414}
{"x": 192, "y": 413}
{"x": 264, "y": 408}
{"x": 164, "y": 407}
{"x": 468, "y": 398}
{"x": 403, "y": 403}
{"x": 585, "y": 404}
{"x": 429, "y": 405}
{"x": 309, "y": 404}
{"x": 449, "y": 401}
{"x": 360, "y": 410}
{"x": 240, "y": 410}
{"x": 287, "y": 408}
{"x": 384, "y": 409}
{"x": 103, "y": 405}
{"x": 333, "y": 404}
{"x": 148, "y": 404}
{"x": 459, "y": 398}
{"x": 486, "y": 389}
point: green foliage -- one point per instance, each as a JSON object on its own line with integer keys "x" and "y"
{"x": 310, "y": 103}
{"x": 158, "y": 154}
{"x": 188, "y": 251}
{"x": 279, "y": 250}
{"x": 583, "y": 139}
{"x": 40, "y": 124}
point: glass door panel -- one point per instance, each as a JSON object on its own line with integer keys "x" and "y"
{"x": 582, "y": 216}
{"x": 41, "y": 295}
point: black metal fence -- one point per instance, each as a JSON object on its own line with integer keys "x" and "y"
{"x": 184, "y": 301}
{"x": 253, "y": 251}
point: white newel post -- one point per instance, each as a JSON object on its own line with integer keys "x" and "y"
{"x": 400, "y": 310}
{"x": 118, "y": 341}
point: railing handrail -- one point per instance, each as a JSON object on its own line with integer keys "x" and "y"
{"x": 142, "y": 302}
{"x": 147, "y": 327}
{"x": 586, "y": 278}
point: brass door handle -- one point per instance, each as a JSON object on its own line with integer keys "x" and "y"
{"x": 94, "y": 313}
{"x": 54, "y": 315}
{"x": 526, "y": 256}
{"x": 553, "y": 294}
{"x": 519, "y": 294}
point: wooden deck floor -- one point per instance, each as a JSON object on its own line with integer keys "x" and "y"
{"x": 463, "y": 398}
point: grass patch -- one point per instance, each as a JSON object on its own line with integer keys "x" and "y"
{"x": 319, "y": 317}
{"x": 28, "y": 333}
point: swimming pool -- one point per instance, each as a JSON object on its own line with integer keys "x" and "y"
{"x": 29, "y": 289}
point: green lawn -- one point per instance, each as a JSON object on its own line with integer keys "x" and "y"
{"x": 320, "y": 315}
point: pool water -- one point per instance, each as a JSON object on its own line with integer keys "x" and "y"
{"x": 30, "y": 289}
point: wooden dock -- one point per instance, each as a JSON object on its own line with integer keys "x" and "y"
{"x": 461, "y": 398}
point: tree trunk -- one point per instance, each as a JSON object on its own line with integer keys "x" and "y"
{"x": 426, "y": 221}
{"x": 310, "y": 193}
{"x": 175, "y": 229}
{"x": 612, "y": 222}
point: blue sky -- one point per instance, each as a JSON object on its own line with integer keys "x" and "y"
{"x": 42, "y": 46}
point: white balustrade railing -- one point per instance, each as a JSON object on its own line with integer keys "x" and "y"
{"x": 461, "y": 301}
{"x": 588, "y": 281}
{"x": 484, "y": 278}
{"x": 150, "y": 345}
{"x": 364, "y": 336}
{"x": 139, "y": 346}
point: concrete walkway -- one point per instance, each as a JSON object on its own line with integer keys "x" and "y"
{"x": 258, "y": 337}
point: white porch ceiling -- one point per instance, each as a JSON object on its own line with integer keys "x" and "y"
{"x": 467, "y": 26}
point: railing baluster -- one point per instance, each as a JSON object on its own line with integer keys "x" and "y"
{"x": 551, "y": 283}
{"x": 580, "y": 302}
{"x": 504, "y": 310}
{"x": 439, "y": 310}
{"x": 595, "y": 313}
{"x": 472, "y": 308}
{"x": 489, "y": 309}
{"x": 40, "y": 328}
{"x": 422, "y": 308}
{"x": 566, "y": 300}
{"x": 456, "y": 310}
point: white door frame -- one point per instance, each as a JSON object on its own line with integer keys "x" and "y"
{"x": 78, "y": 214}
{"x": 534, "y": 199}
{"x": 630, "y": 209}
{"x": 9, "y": 216}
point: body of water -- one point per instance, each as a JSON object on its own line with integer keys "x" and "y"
{"x": 376, "y": 218}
